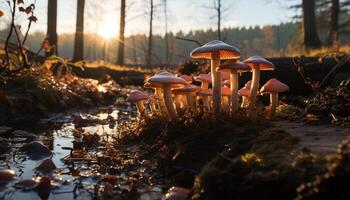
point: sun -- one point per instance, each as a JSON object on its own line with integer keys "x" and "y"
{"x": 107, "y": 30}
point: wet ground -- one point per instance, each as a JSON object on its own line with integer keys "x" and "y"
{"x": 79, "y": 173}
{"x": 317, "y": 138}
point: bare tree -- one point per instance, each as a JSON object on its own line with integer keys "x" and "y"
{"x": 311, "y": 38}
{"x": 166, "y": 38}
{"x": 52, "y": 26}
{"x": 150, "y": 37}
{"x": 217, "y": 7}
{"x": 79, "y": 32}
{"x": 120, "y": 57}
{"x": 334, "y": 26}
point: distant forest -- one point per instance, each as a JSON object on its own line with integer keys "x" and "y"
{"x": 276, "y": 40}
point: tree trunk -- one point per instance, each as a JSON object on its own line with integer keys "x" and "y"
{"x": 333, "y": 31}
{"x": 149, "y": 50}
{"x": 120, "y": 58}
{"x": 166, "y": 38}
{"x": 134, "y": 54}
{"x": 219, "y": 19}
{"x": 52, "y": 26}
{"x": 311, "y": 38}
{"x": 79, "y": 32}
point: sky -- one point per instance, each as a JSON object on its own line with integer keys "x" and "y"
{"x": 102, "y": 16}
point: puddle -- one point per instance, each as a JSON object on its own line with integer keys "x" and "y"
{"x": 81, "y": 176}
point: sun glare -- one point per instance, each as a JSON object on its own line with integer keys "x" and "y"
{"x": 107, "y": 30}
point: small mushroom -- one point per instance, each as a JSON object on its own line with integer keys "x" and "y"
{"x": 273, "y": 86}
{"x": 138, "y": 97}
{"x": 167, "y": 82}
{"x": 205, "y": 94}
{"x": 205, "y": 79}
{"x": 186, "y": 78}
{"x": 158, "y": 96}
{"x": 6, "y": 176}
{"x": 244, "y": 93}
{"x": 188, "y": 91}
{"x": 216, "y": 50}
{"x": 256, "y": 63}
{"x": 234, "y": 67}
{"x": 226, "y": 94}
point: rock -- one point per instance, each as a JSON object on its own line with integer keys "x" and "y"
{"x": 28, "y": 184}
{"x": 6, "y": 176}
{"x": 176, "y": 193}
{"x": 36, "y": 150}
{"x": 47, "y": 166}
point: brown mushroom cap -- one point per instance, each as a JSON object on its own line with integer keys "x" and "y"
{"x": 227, "y": 83}
{"x": 173, "y": 81}
{"x": 234, "y": 65}
{"x": 203, "y": 78}
{"x": 225, "y": 91}
{"x": 136, "y": 95}
{"x": 274, "y": 85}
{"x": 225, "y": 51}
{"x": 186, "y": 90}
{"x": 6, "y": 176}
{"x": 186, "y": 78}
{"x": 263, "y": 63}
{"x": 205, "y": 92}
{"x": 165, "y": 73}
{"x": 244, "y": 92}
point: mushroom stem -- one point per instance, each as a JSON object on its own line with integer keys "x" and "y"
{"x": 253, "y": 91}
{"x": 184, "y": 102}
{"x": 234, "y": 91}
{"x": 206, "y": 106}
{"x": 216, "y": 77}
{"x": 177, "y": 102}
{"x": 191, "y": 101}
{"x": 225, "y": 103}
{"x": 169, "y": 102}
{"x": 205, "y": 85}
{"x": 163, "y": 109}
{"x": 274, "y": 104}
{"x": 244, "y": 102}
{"x": 141, "y": 108}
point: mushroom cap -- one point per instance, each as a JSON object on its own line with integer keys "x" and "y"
{"x": 136, "y": 95}
{"x": 234, "y": 65}
{"x": 227, "y": 83}
{"x": 171, "y": 80}
{"x": 6, "y": 175}
{"x": 274, "y": 85}
{"x": 203, "y": 78}
{"x": 165, "y": 73}
{"x": 263, "y": 63}
{"x": 226, "y": 51}
{"x": 186, "y": 78}
{"x": 248, "y": 84}
{"x": 244, "y": 92}
{"x": 205, "y": 92}
{"x": 225, "y": 91}
{"x": 186, "y": 90}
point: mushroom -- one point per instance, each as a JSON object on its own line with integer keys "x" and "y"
{"x": 205, "y": 94}
{"x": 205, "y": 79}
{"x": 256, "y": 63}
{"x": 6, "y": 176}
{"x": 244, "y": 93}
{"x": 216, "y": 50}
{"x": 158, "y": 97}
{"x": 188, "y": 91}
{"x": 273, "y": 86}
{"x": 167, "y": 82}
{"x": 186, "y": 78}
{"x": 234, "y": 67}
{"x": 138, "y": 97}
{"x": 226, "y": 93}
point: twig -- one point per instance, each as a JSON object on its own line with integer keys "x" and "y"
{"x": 10, "y": 33}
{"x": 341, "y": 63}
{"x": 189, "y": 40}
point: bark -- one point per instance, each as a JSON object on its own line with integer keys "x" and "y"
{"x": 334, "y": 26}
{"x": 79, "y": 32}
{"x": 149, "y": 50}
{"x": 311, "y": 38}
{"x": 52, "y": 26}
{"x": 120, "y": 58}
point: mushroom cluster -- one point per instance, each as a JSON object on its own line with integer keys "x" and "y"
{"x": 219, "y": 90}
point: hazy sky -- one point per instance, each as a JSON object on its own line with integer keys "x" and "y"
{"x": 183, "y": 14}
